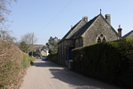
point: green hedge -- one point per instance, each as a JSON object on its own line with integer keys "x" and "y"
{"x": 109, "y": 61}
{"x": 12, "y": 64}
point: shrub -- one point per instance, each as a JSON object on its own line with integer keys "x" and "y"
{"x": 26, "y": 61}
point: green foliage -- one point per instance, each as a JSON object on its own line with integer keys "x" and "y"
{"x": 109, "y": 61}
{"x": 24, "y": 47}
{"x": 52, "y": 55}
{"x": 53, "y": 44}
{"x": 26, "y": 60}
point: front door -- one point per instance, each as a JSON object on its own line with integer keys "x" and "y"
{"x": 70, "y": 53}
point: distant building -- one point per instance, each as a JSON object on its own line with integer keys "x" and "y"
{"x": 43, "y": 52}
{"x": 84, "y": 33}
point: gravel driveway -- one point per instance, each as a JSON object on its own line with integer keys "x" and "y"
{"x": 47, "y": 75}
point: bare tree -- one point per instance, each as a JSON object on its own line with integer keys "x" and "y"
{"x": 4, "y": 10}
{"x": 6, "y": 36}
{"x": 29, "y": 39}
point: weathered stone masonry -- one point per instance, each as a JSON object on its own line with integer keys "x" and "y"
{"x": 84, "y": 33}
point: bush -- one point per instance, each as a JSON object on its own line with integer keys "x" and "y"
{"x": 26, "y": 61}
{"x": 109, "y": 61}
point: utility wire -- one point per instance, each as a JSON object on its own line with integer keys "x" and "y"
{"x": 58, "y": 13}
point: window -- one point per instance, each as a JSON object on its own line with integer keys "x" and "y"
{"x": 98, "y": 40}
{"x": 101, "y": 38}
{"x": 101, "y": 35}
{"x": 104, "y": 40}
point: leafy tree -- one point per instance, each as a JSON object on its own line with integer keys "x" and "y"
{"x": 53, "y": 44}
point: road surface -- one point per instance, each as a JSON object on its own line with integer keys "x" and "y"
{"x": 47, "y": 75}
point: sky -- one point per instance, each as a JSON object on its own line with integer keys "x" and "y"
{"x": 46, "y": 18}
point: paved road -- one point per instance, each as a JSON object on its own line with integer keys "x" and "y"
{"x": 47, "y": 75}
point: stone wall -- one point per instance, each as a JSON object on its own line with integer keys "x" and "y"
{"x": 63, "y": 50}
{"x": 79, "y": 42}
{"x": 99, "y": 27}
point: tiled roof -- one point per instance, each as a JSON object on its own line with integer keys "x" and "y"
{"x": 128, "y": 34}
{"x": 70, "y": 31}
{"x": 83, "y": 29}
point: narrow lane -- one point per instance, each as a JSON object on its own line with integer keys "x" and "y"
{"x": 47, "y": 75}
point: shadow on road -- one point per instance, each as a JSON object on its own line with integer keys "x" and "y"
{"x": 73, "y": 79}
{"x": 80, "y": 81}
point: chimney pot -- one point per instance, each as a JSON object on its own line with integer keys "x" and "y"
{"x": 120, "y": 31}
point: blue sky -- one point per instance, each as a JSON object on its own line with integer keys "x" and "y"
{"x": 54, "y": 17}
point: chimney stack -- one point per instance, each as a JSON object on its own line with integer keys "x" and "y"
{"x": 120, "y": 31}
{"x": 108, "y": 18}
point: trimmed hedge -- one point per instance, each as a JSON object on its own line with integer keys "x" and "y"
{"x": 12, "y": 64}
{"x": 109, "y": 61}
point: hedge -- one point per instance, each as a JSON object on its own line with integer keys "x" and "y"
{"x": 12, "y": 64}
{"x": 108, "y": 61}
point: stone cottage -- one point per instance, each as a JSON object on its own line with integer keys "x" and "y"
{"x": 84, "y": 33}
